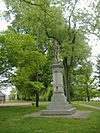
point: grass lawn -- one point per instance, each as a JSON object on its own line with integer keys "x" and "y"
{"x": 12, "y": 120}
{"x": 92, "y": 103}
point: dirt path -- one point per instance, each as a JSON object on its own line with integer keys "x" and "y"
{"x": 15, "y": 104}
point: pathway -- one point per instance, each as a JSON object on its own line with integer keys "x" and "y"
{"x": 87, "y": 105}
{"x": 15, "y": 104}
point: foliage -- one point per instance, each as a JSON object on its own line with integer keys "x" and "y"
{"x": 83, "y": 83}
{"x": 13, "y": 94}
{"x": 98, "y": 70}
{"x": 20, "y": 52}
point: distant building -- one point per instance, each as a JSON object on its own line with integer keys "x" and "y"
{"x": 2, "y": 97}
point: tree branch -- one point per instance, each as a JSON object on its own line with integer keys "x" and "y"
{"x": 38, "y": 5}
{"x": 49, "y": 36}
{"x": 31, "y": 3}
{"x": 96, "y": 34}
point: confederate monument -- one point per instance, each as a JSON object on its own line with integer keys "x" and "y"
{"x": 58, "y": 104}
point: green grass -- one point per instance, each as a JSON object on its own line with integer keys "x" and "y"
{"x": 12, "y": 120}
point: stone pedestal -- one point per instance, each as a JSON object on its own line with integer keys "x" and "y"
{"x": 58, "y": 104}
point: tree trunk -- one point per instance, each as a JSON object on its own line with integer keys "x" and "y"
{"x": 87, "y": 93}
{"x": 18, "y": 97}
{"x": 37, "y": 98}
{"x": 37, "y": 92}
{"x": 67, "y": 89}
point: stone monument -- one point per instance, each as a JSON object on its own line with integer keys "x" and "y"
{"x": 58, "y": 104}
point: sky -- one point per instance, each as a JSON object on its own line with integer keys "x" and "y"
{"x": 94, "y": 43}
{"x": 3, "y": 23}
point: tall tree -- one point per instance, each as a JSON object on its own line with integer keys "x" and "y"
{"x": 21, "y": 53}
{"x": 60, "y": 21}
{"x": 98, "y": 70}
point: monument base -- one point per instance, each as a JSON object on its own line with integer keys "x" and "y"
{"x": 58, "y": 104}
{"x": 58, "y": 112}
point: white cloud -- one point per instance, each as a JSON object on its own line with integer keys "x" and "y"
{"x": 2, "y": 6}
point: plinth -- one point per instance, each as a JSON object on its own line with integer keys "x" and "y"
{"x": 58, "y": 104}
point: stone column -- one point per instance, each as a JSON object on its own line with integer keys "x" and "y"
{"x": 58, "y": 104}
